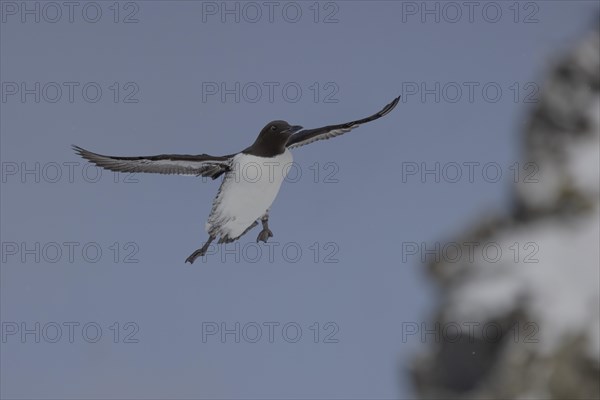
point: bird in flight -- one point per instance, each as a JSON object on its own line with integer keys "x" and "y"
{"x": 240, "y": 202}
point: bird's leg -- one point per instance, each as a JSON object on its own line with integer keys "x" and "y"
{"x": 201, "y": 251}
{"x": 266, "y": 232}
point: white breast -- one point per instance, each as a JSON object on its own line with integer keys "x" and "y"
{"x": 246, "y": 193}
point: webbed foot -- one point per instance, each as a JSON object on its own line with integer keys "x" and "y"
{"x": 264, "y": 235}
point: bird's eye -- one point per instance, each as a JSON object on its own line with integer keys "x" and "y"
{"x": 273, "y": 127}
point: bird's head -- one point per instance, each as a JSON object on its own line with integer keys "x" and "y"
{"x": 278, "y": 131}
{"x": 273, "y": 138}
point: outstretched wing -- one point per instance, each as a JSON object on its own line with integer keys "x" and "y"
{"x": 312, "y": 135}
{"x": 181, "y": 164}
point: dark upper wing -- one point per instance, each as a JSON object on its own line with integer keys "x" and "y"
{"x": 181, "y": 164}
{"x": 311, "y": 135}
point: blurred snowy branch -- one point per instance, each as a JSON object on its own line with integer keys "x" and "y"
{"x": 560, "y": 293}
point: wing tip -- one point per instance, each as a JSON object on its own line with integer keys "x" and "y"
{"x": 390, "y": 106}
{"x": 83, "y": 153}
{"x": 80, "y": 151}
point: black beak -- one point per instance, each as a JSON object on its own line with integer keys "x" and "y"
{"x": 293, "y": 129}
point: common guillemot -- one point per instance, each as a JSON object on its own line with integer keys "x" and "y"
{"x": 240, "y": 202}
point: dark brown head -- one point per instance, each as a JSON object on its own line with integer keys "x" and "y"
{"x": 272, "y": 139}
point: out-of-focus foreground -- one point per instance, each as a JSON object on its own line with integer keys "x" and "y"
{"x": 540, "y": 305}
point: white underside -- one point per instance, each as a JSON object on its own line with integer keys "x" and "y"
{"x": 246, "y": 193}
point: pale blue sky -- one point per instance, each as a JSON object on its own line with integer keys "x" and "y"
{"x": 167, "y": 61}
